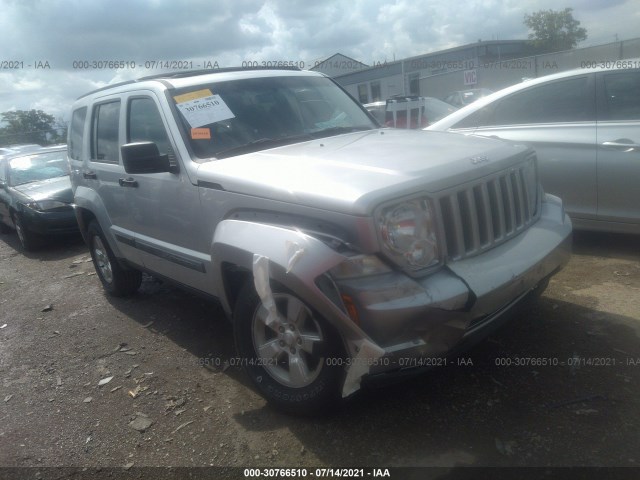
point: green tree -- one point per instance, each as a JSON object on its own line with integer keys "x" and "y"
{"x": 554, "y": 31}
{"x": 32, "y": 126}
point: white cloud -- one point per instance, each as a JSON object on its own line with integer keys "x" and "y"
{"x": 234, "y": 31}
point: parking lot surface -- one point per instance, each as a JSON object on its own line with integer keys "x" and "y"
{"x": 152, "y": 380}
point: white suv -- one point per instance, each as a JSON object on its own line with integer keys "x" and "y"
{"x": 341, "y": 252}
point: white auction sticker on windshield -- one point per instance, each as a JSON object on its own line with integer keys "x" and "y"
{"x": 205, "y": 110}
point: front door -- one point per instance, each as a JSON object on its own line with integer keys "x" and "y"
{"x": 163, "y": 208}
{"x": 619, "y": 146}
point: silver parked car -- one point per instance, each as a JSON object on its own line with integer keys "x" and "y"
{"x": 585, "y": 127}
{"x": 341, "y": 252}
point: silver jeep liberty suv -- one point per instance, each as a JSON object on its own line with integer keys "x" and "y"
{"x": 341, "y": 251}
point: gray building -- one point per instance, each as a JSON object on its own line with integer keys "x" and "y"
{"x": 494, "y": 65}
{"x": 402, "y": 77}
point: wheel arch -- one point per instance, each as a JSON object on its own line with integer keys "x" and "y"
{"x": 88, "y": 207}
{"x": 295, "y": 261}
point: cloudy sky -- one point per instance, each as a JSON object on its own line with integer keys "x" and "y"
{"x": 62, "y": 34}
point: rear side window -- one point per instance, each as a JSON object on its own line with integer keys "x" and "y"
{"x": 622, "y": 96}
{"x": 105, "y": 146}
{"x": 76, "y": 133}
{"x": 561, "y": 101}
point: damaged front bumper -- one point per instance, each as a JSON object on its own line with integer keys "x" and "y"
{"x": 408, "y": 320}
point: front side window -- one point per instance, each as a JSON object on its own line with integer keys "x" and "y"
{"x": 559, "y": 101}
{"x": 144, "y": 124}
{"x": 234, "y": 117}
{"x": 622, "y": 96}
{"x": 105, "y": 146}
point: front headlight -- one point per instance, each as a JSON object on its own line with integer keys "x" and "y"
{"x": 359, "y": 266}
{"x": 408, "y": 233}
{"x": 43, "y": 205}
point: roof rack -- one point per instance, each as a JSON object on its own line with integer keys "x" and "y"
{"x": 184, "y": 74}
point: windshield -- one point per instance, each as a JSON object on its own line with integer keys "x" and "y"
{"x": 34, "y": 168}
{"x": 234, "y": 117}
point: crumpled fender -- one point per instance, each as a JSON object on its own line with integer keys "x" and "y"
{"x": 293, "y": 259}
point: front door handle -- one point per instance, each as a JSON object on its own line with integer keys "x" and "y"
{"x": 623, "y": 144}
{"x": 89, "y": 175}
{"x": 128, "y": 182}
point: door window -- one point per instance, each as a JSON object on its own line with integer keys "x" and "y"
{"x": 144, "y": 124}
{"x": 105, "y": 133}
{"x": 622, "y": 96}
{"x": 560, "y": 101}
{"x": 76, "y": 133}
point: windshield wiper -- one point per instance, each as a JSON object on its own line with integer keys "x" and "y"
{"x": 262, "y": 143}
{"x": 327, "y": 132}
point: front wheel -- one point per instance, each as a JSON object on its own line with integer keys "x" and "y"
{"x": 4, "y": 228}
{"x": 288, "y": 357}
{"x": 28, "y": 239}
{"x": 116, "y": 280}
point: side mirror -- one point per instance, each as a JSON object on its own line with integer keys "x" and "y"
{"x": 144, "y": 157}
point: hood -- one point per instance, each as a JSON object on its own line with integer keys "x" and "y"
{"x": 58, "y": 188}
{"x": 353, "y": 173}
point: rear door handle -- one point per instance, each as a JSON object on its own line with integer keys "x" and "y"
{"x": 128, "y": 182}
{"x": 89, "y": 175}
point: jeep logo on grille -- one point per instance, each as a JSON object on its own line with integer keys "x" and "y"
{"x": 479, "y": 159}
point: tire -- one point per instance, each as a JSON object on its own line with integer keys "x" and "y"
{"x": 118, "y": 281}
{"x": 4, "y": 228}
{"x": 28, "y": 240}
{"x": 299, "y": 338}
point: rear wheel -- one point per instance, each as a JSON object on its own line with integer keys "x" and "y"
{"x": 116, "y": 280}
{"x": 289, "y": 358}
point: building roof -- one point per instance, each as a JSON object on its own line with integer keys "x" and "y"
{"x": 338, "y": 64}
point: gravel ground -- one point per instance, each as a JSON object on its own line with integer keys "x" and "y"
{"x": 95, "y": 382}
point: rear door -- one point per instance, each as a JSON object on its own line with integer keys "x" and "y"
{"x": 103, "y": 171}
{"x": 619, "y": 146}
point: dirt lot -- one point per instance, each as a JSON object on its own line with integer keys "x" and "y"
{"x": 63, "y": 336}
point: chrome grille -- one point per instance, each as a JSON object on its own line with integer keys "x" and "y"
{"x": 480, "y": 215}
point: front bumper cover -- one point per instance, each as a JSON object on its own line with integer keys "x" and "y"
{"x": 51, "y": 222}
{"x": 462, "y": 303}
